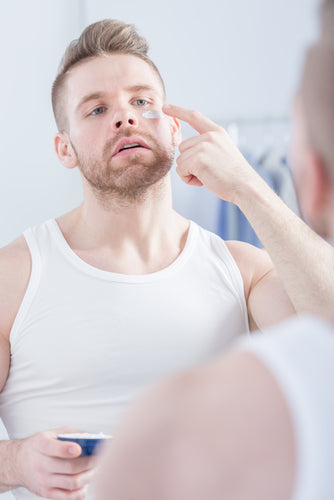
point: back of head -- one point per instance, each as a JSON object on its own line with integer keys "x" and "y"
{"x": 102, "y": 38}
{"x": 317, "y": 89}
{"x": 317, "y": 94}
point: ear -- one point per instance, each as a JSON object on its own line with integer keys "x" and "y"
{"x": 65, "y": 151}
{"x": 176, "y": 130}
{"x": 317, "y": 185}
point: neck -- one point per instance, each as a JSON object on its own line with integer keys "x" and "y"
{"x": 148, "y": 233}
{"x": 111, "y": 218}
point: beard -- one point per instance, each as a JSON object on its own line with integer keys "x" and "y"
{"x": 130, "y": 181}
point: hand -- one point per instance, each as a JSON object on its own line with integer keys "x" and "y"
{"x": 53, "y": 469}
{"x": 211, "y": 158}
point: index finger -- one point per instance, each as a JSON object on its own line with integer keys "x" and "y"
{"x": 195, "y": 119}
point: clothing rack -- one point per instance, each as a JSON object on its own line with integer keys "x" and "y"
{"x": 265, "y": 142}
{"x": 255, "y": 119}
{"x": 257, "y": 134}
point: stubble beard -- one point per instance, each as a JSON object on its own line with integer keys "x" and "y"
{"x": 130, "y": 182}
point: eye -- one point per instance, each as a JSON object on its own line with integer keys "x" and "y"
{"x": 140, "y": 102}
{"x": 98, "y": 111}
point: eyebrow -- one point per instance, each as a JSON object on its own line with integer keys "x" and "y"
{"x": 91, "y": 97}
{"x": 139, "y": 88}
{"x": 102, "y": 94}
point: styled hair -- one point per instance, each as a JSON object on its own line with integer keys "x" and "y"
{"x": 102, "y": 38}
{"x": 317, "y": 94}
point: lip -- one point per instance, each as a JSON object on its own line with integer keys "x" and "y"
{"x": 130, "y": 140}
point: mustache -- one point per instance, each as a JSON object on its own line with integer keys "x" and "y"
{"x": 111, "y": 143}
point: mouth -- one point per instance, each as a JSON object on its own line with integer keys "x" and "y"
{"x": 130, "y": 145}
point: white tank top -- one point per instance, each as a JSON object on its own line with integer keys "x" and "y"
{"x": 85, "y": 341}
{"x": 300, "y": 355}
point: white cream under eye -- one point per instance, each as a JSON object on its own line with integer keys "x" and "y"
{"x": 151, "y": 115}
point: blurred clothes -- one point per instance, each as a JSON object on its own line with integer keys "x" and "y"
{"x": 299, "y": 353}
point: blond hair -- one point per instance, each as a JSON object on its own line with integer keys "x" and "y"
{"x": 101, "y": 38}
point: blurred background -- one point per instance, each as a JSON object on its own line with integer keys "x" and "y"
{"x": 238, "y": 62}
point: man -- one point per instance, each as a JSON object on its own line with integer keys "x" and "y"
{"x": 120, "y": 291}
{"x": 256, "y": 423}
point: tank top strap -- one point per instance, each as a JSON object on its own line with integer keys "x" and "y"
{"x": 32, "y": 287}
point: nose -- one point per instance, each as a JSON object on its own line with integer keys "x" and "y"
{"x": 123, "y": 119}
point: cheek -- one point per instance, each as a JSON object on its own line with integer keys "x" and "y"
{"x": 167, "y": 133}
{"x": 159, "y": 130}
{"x": 297, "y": 155}
{"x": 86, "y": 139}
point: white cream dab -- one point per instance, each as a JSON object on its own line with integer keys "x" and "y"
{"x": 151, "y": 115}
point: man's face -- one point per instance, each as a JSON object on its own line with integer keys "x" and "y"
{"x": 308, "y": 175}
{"x": 299, "y": 150}
{"x": 118, "y": 150}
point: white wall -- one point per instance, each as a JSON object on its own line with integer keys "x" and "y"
{"x": 34, "y": 186}
{"x": 229, "y": 59}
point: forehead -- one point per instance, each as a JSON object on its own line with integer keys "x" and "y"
{"x": 111, "y": 73}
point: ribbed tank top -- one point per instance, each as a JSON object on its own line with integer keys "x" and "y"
{"x": 86, "y": 341}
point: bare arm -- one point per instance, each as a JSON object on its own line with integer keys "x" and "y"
{"x": 4, "y": 360}
{"x": 267, "y": 300}
{"x": 41, "y": 463}
{"x": 221, "y": 431}
{"x": 5, "y": 452}
{"x": 11, "y": 257}
{"x": 303, "y": 260}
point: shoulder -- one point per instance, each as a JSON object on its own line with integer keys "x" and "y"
{"x": 299, "y": 355}
{"x": 253, "y": 263}
{"x": 211, "y": 241}
{"x": 248, "y": 257}
{"x": 244, "y": 252}
{"x": 227, "y": 424}
{"x": 14, "y": 257}
{"x": 15, "y": 269}
{"x": 271, "y": 454}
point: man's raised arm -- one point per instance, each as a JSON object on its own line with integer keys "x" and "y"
{"x": 301, "y": 257}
